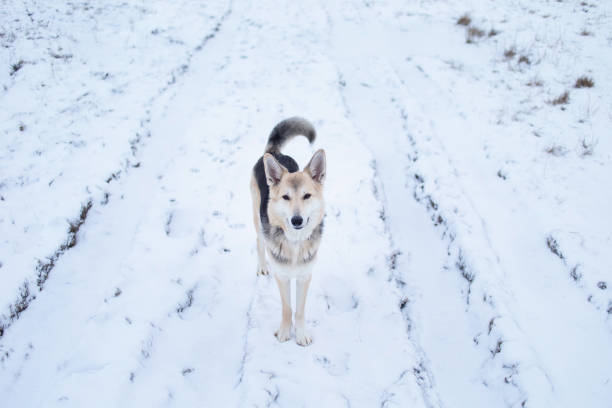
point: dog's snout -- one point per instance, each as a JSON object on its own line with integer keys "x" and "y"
{"x": 296, "y": 220}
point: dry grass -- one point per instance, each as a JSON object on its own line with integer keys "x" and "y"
{"x": 562, "y": 99}
{"x": 473, "y": 33}
{"x": 584, "y": 82}
{"x": 557, "y": 151}
{"x": 588, "y": 146}
{"x": 16, "y": 67}
{"x": 524, "y": 60}
{"x": 553, "y": 245}
{"x": 575, "y": 274}
{"x": 510, "y": 53}
{"x": 535, "y": 82}
{"x": 464, "y": 20}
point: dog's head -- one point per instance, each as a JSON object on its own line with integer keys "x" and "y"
{"x": 296, "y": 199}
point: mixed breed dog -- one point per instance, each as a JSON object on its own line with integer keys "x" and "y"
{"x": 288, "y": 213}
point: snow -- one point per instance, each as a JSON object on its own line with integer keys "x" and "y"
{"x": 465, "y": 260}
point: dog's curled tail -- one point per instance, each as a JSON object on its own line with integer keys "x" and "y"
{"x": 286, "y": 130}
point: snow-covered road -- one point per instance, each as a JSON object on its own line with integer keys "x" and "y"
{"x": 461, "y": 264}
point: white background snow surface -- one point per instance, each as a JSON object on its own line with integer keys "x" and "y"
{"x": 466, "y": 258}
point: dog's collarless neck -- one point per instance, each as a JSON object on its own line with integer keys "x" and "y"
{"x": 277, "y": 233}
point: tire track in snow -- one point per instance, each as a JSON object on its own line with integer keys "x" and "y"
{"x": 457, "y": 256}
{"x": 43, "y": 270}
{"x": 29, "y": 292}
{"x": 459, "y": 259}
{"x": 421, "y": 372}
{"x": 498, "y": 329}
{"x": 245, "y": 346}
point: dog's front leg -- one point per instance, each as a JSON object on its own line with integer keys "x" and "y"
{"x": 302, "y": 335}
{"x": 284, "y": 287}
{"x": 262, "y": 265}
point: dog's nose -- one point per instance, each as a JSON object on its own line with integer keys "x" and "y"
{"x": 296, "y": 220}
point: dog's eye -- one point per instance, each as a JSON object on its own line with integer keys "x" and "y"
{"x": 306, "y": 196}
{"x": 286, "y": 197}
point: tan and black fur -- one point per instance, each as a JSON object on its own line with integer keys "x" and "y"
{"x": 288, "y": 211}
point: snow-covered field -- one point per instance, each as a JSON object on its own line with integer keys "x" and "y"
{"x": 467, "y": 257}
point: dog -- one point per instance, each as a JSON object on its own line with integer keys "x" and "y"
{"x": 288, "y": 212}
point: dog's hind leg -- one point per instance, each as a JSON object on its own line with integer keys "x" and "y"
{"x": 262, "y": 265}
{"x": 284, "y": 331}
{"x": 302, "y": 335}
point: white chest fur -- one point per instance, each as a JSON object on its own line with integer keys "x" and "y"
{"x": 292, "y": 256}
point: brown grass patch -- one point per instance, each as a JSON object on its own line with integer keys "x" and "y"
{"x": 464, "y": 20}
{"x": 524, "y": 60}
{"x": 473, "y": 33}
{"x": 584, "y": 82}
{"x": 557, "y": 151}
{"x": 562, "y": 99}
{"x": 535, "y": 82}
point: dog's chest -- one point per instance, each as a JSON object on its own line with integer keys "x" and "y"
{"x": 292, "y": 253}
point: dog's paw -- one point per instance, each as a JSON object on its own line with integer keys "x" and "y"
{"x": 303, "y": 337}
{"x": 263, "y": 270}
{"x": 283, "y": 333}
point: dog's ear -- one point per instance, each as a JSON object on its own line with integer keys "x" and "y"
{"x": 274, "y": 170}
{"x": 316, "y": 167}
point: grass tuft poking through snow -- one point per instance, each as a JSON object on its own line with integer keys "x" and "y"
{"x": 575, "y": 274}
{"x": 562, "y": 99}
{"x": 464, "y": 20}
{"x": 584, "y": 82}
{"x": 16, "y": 67}
{"x": 535, "y": 82}
{"x": 474, "y": 33}
{"x": 556, "y": 150}
{"x": 510, "y": 53}
{"x": 553, "y": 245}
